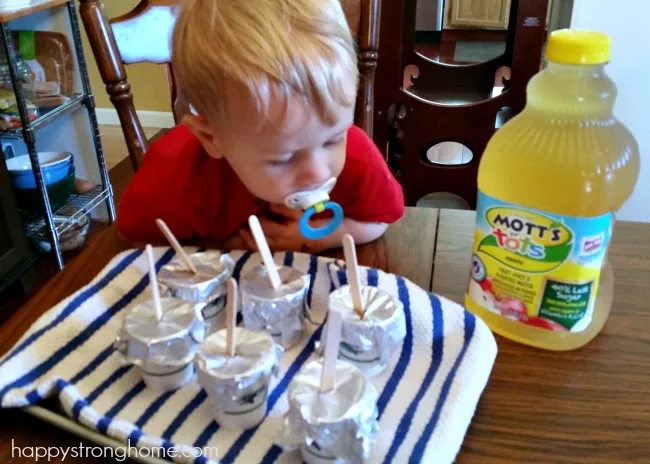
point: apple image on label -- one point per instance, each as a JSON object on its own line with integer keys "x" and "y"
{"x": 486, "y": 286}
{"x": 544, "y": 323}
{"x": 483, "y": 295}
{"x": 513, "y": 307}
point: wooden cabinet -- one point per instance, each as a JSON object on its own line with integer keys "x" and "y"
{"x": 477, "y": 14}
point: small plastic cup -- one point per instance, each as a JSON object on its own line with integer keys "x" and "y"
{"x": 163, "y": 350}
{"x": 207, "y": 288}
{"x": 369, "y": 342}
{"x": 281, "y": 312}
{"x": 238, "y": 386}
{"x": 336, "y": 426}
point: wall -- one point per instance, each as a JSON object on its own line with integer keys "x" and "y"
{"x": 626, "y": 22}
{"x": 148, "y": 81}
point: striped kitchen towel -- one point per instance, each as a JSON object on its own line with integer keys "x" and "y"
{"x": 426, "y": 398}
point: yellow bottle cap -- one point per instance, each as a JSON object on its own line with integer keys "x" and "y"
{"x": 578, "y": 47}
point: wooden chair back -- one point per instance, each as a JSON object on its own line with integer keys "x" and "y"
{"x": 143, "y": 35}
{"x": 447, "y": 102}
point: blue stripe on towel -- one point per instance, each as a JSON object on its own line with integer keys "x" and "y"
{"x": 278, "y": 391}
{"x": 60, "y": 385}
{"x": 236, "y": 272}
{"x": 82, "y": 336}
{"x": 273, "y": 454}
{"x": 92, "y": 365}
{"x": 313, "y": 268}
{"x": 33, "y": 397}
{"x": 421, "y": 445}
{"x": 342, "y": 276}
{"x": 207, "y": 433}
{"x": 104, "y": 422}
{"x": 405, "y": 355}
{"x": 153, "y": 408}
{"x": 148, "y": 414}
{"x": 288, "y": 259}
{"x": 167, "y": 444}
{"x": 101, "y": 388}
{"x": 373, "y": 277}
{"x": 77, "y": 407}
{"x": 436, "y": 360}
{"x": 184, "y": 414}
{"x": 75, "y": 303}
{"x": 134, "y": 437}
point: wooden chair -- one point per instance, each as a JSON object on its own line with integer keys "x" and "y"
{"x": 153, "y": 20}
{"x": 410, "y": 120}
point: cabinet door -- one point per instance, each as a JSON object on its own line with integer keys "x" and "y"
{"x": 13, "y": 244}
{"x": 478, "y": 14}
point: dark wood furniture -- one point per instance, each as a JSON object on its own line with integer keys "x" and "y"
{"x": 15, "y": 255}
{"x": 585, "y": 406}
{"x": 362, "y": 15}
{"x": 446, "y": 102}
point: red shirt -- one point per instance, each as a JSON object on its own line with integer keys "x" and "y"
{"x": 200, "y": 197}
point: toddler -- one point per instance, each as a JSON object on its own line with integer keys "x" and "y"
{"x": 273, "y": 84}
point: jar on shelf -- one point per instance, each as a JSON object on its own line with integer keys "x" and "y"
{"x": 9, "y": 115}
{"x": 25, "y": 75}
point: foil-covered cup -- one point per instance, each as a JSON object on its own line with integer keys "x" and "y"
{"x": 238, "y": 386}
{"x": 282, "y": 312}
{"x": 207, "y": 288}
{"x": 370, "y": 342}
{"x": 162, "y": 350}
{"x": 331, "y": 427}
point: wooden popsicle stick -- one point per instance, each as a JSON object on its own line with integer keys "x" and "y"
{"x": 189, "y": 265}
{"x": 265, "y": 251}
{"x": 231, "y": 319}
{"x": 332, "y": 342}
{"x": 154, "y": 284}
{"x": 350, "y": 254}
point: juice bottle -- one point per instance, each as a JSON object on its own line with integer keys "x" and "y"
{"x": 549, "y": 183}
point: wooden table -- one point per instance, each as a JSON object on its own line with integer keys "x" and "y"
{"x": 587, "y": 406}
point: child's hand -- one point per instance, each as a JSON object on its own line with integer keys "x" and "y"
{"x": 282, "y": 231}
{"x": 282, "y": 214}
{"x": 235, "y": 242}
{"x": 280, "y": 237}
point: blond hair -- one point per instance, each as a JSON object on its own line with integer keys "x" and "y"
{"x": 270, "y": 49}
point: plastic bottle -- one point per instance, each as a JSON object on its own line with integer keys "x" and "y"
{"x": 549, "y": 182}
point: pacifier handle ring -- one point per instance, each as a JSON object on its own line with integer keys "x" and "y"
{"x": 317, "y": 233}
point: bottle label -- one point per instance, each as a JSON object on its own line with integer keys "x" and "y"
{"x": 538, "y": 268}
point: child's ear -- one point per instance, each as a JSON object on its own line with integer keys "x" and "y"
{"x": 204, "y": 133}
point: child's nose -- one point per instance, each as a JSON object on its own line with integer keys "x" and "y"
{"x": 314, "y": 174}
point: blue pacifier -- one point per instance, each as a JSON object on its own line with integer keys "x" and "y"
{"x": 314, "y": 202}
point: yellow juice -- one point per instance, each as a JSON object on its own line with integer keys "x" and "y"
{"x": 549, "y": 183}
